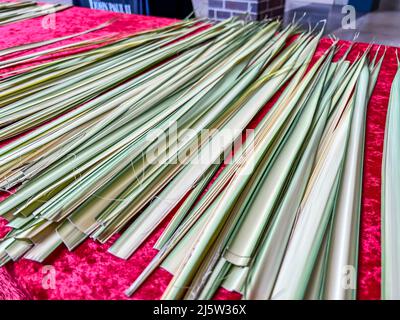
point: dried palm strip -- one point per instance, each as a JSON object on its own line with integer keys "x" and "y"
{"x": 205, "y": 205}
{"x": 17, "y": 249}
{"x": 317, "y": 279}
{"x": 44, "y": 245}
{"x": 390, "y": 197}
{"x": 13, "y": 8}
{"x": 4, "y": 257}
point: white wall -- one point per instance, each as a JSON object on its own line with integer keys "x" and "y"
{"x": 293, "y": 4}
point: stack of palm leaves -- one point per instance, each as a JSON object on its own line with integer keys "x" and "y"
{"x": 21, "y": 10}
{"x": 50, "y": 89}
{"x": 144, "y": 123}
{"x": 267, "y": 231}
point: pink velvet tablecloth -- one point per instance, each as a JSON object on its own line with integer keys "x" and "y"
{"x": 90, "y": 272}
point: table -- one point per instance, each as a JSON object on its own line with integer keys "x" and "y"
{"x": 90, "y": 272}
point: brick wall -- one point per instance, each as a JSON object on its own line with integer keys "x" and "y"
{"x": 255, "y": 9}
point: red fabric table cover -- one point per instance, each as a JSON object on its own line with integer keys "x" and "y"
{"x": 90, "y": 272}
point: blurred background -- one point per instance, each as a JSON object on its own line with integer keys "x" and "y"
{"x": 375, "y": 20}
